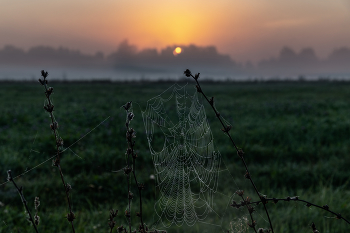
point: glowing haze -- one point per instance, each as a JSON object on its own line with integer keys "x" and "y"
{"x": 245, "y": 30}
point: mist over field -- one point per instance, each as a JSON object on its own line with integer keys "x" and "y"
{"x": 128, "y": 62}
{"x": 102, "y": 110}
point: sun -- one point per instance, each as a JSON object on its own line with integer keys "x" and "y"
{"x": 177, "y": 51}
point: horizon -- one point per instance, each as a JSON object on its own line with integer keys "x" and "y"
{"x": 162, "y": 49}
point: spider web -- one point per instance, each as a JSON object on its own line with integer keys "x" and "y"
{"x": 186, "y": 164}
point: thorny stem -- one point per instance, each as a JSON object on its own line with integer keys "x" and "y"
{"x": 308, "y": 204}
{"x": 199, "y": 89}
{"x": 20, "y": 191}
{"x": 57, "y": 139}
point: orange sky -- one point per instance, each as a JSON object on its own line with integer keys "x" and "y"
{"x": 244, "y": 29}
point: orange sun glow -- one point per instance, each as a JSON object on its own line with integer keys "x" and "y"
{"x": 177, "y": 51}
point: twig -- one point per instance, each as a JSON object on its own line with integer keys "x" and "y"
{"x": 20, "y": 191}
{"x": 49, "y": 107}
{"x": 226, "y": 130}
{"x": 308, "y": 204}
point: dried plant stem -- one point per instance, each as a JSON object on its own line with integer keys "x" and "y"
{"x": 251, "y": 216}
{"x": 59, "y": 142}
{"x": 139, "y": 187}
{"x": 20, "y": 191}
{"x": 128, "y": 214}
{"x": 226, "y": 130}
{"x": 130, "y": 134}
{"x": 308, "y": 204}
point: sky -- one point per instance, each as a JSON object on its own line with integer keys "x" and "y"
{"x": 244, "y": 29}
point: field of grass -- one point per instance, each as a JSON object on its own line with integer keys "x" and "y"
{"x": 296, "y": 138}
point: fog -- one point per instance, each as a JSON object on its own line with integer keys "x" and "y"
{"x": 128, "y": 63}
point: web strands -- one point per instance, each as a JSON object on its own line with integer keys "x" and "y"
{"x": 186, "y": 165}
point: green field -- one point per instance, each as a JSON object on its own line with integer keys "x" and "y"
{"x": 296, "y": 138}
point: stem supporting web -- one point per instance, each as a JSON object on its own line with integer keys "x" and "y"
{"x": 186, "y": 164}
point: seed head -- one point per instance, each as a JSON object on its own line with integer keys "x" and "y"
{"x": 253, "y": 224}
{"x": 55, "y": 162}
{"x": 247, "y": 175}
{"x": 49, "y": 108}
{"x": 240, "y": 192}
{"x": 36, "y": 219}
{"x": 196, "y": 76}
{"x": 128, "y": 151}
{"x": 127, "y": 106}
{"x": 227, "y": 128}
{"x": 70, "y": 217}
{"x": 187, "y": 72}
{"x": 9, "y": 175}
{"x": 130, "y": 116}
{"x": 198, "y": 89}
{"x": 111, "y": 224}
{"x": 59, "y": 142}
{"x": 263, "y": 199}
{"x": 120, "y": 229}
{"x": 211, "y": 101}
{"x": 250, "y": 209}
{"x": 240, "y": 153}
{"x": 235, "y": 204}
{"x": 130, "y": 134}
{"x": 314, "y": 228}
{"x": 247, "y": 200}
{"x": 54, "y": 125}
{"x": 44, "y": 74}
{"x": 49, "y": 91}
{"x": 36, "y": 203}
{"x": 131, "y": 195}
{"x": 141, "y": 186}
{"x": 68, "y": 187}
{"x": 113, "y": 214}
{"x": 127, "y": 170}
{"x": 42, "y": 82}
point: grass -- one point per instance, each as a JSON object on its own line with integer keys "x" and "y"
{"x": 295, "y": 136}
